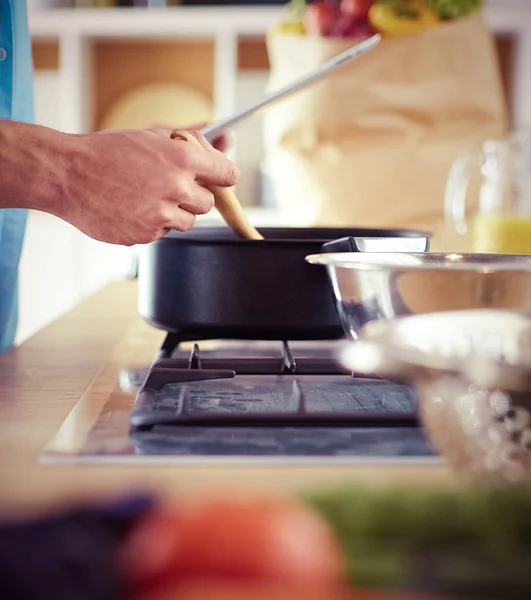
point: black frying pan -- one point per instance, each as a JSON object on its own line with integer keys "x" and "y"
{"x": 207, "y": 283}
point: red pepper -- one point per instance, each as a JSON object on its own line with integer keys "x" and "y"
{"x": 358, "y": 8}
{"x": 321, "y": 17}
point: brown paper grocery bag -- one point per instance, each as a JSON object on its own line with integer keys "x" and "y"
{"x": 373, "y": 143}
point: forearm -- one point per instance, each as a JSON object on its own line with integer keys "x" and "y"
{"x": 34, "y": 162}
{"x": 119, "y": 187}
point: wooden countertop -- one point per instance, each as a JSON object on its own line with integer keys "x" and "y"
{"x": 42, "y": 380}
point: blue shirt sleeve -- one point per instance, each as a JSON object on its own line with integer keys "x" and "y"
{"x": 16, "y": 103}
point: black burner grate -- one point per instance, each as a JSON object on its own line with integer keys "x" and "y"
{"x": 273, "y": 362}
{"x": 284, "y": 387}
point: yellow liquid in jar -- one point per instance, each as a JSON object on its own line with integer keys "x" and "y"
{"x": 502, "y": 234}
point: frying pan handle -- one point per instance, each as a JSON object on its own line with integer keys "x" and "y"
{"x": 353, "y": 244}
{"x": 346, "y": 244}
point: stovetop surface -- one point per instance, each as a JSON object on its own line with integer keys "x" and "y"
{"x": 277, "y": 393}
{"x": 366, "y": 444}
{"x": 100, "y": 430}
{"x": 257, "y": 395}
{"x": 273, "y": 410}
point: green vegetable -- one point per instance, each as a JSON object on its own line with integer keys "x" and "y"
{"x": 470, "y": 541}
{"x": 454, "y": 9}
{"x": 401, "y": 8}
{"x": 297, "y": 8}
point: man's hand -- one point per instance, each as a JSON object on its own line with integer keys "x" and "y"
{"x": 136, "y": 185}
{"x": 221, "y": 143}
{"x": 121, "y": 187}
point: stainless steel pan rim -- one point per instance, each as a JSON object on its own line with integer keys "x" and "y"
{"x": 425, "y": 261}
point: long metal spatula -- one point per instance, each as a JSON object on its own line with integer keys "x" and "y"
{"x": 211, "y": 132}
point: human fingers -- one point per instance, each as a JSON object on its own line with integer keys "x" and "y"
{"x": 179, "y": 218}
{"x": 202, "y": 140}
{"x": 212, "y": 168}
{"x": 200, "y": 200}
{"x": 220, "y": 143}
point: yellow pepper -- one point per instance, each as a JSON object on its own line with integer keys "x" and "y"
{"x": 290, "y": 28}
{"x": 403, "y": 17}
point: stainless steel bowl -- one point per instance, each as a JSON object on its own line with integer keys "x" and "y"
{"x": 375, "y": 286}
{"x": 471, "y": 371}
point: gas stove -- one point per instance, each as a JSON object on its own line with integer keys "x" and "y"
{"x": 269, "y": 399}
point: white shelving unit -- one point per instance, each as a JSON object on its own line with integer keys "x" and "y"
{"x": 76, "y": 28}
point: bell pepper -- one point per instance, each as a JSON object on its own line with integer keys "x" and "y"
{"x": 290, "y": 28}
{"x": 294, "y": 24}
{"x": 321, "y": 17}
{"x": 402, "y": 17}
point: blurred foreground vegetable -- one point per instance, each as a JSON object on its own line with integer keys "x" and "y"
{"x": 70, "y": 554}
{"x": 467, "y": 543}
{"x": 221, "y": 590}
{"x": 256, "y": 540}
{"x": 472, "y": 542}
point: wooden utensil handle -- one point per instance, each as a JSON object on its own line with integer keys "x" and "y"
{"x": 226, "y": 201}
